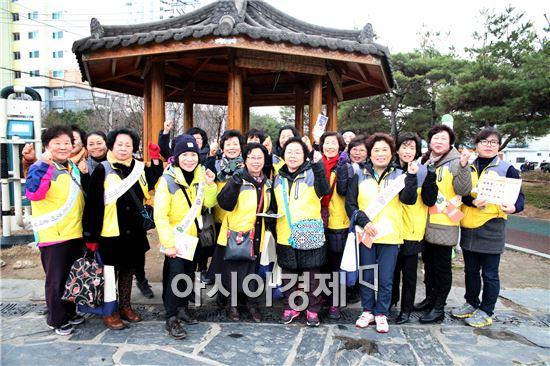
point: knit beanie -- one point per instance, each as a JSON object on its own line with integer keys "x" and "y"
{"x": 185, "y": 143}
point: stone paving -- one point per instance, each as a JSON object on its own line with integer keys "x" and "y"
{"x": 520, "y": 335}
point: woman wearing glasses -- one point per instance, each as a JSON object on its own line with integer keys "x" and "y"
{"x": 484, "y": 232}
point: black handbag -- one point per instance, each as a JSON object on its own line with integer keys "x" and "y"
{"x": 240, "y": 244}
{"x": 207, "y": 235}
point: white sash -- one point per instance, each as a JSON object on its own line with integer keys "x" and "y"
{"x": 385, "y": 197}
{"x": 113, "y": 193}
{"x": 186, "y": 244}
{"x": 47, "y": 220}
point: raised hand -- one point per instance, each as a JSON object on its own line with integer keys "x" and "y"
{"x": 209, "y": 177}
{"x": 464, "y": 157}
{"x": 412, "y": 168}
{"x": 168, "y": 126}
{"x": 47, "y": 157}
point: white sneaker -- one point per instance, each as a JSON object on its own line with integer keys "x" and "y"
{"x": 364, "y": 320}
{"x": 382, "y": 324}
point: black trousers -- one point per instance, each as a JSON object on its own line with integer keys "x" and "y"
{"x": 140, "y": 272}
{"x": 438, "y": 272}
{"x": 311, "y": 276}
{"x": 406, "y": 266}
{"x": 57, "y": 260}
{"x": 172, "y": 268}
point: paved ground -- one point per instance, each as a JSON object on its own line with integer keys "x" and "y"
{"x": 519, "y": 336}
{"x": 528, "y": 233}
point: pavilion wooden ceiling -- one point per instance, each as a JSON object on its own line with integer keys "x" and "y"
{"x": 269, "y": 75}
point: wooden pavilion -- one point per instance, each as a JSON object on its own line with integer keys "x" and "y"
{"x": 239, "y": 53}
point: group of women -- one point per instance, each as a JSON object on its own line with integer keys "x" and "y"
{"x": 307, "y": 196}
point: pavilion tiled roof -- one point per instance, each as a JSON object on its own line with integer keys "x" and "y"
{"x": 225, "y": 18}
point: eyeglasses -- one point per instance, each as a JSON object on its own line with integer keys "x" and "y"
{"x": 491, "y": 143}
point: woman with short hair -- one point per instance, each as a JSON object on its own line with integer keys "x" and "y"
{"x": 483, "y": 232}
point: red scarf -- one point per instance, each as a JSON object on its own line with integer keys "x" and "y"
{"x": 329, "y": 165}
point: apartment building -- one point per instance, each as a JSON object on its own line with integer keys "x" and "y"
{"x": 37, "y": 37}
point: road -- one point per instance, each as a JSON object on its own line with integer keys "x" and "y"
{"x": 528, "y": 233}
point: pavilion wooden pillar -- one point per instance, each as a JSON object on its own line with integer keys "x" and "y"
{"x": 188, "y": 108}
{"x": 234, "y": 96}
{"x": 315, "y": 101}
{"x": 332, "y": 110}
{"x": 154, "y": 103}
{"x": 299, "y": 109}
{"x": 246, "y": 109}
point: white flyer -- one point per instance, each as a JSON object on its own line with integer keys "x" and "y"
{"x": 320, "y": 125}
{"x": 498, "y": 190}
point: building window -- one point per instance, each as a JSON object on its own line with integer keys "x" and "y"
{"x": 56, "y": 15}
{"x": 17, "y": 74}
{"x": 58, "y": 35}
{"x": 539, "y": 154}
{"x": 33, "y": 35}
{"x": 34, "y": 54}
{"x": 15, "y": 17}
{"x": 17, "y": 55}
{"x": 520, "y": 160}
{"x": 59, "y": 93}
{"x": 57, "y": 54}
{"x": 16, "y": 36}
{"x": 34, "y": 73}
{"x": 58, "y": 73}
{"x": 33, "y": 15}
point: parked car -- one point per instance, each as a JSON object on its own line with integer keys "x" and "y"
{"x": 545, "y": 167}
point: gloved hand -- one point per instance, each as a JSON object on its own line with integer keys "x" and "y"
{"x": 154, "y": 151}
{"x": 344, "y": 158}
{"x": 238, "y": 176}
{"x": 91, "y": 246}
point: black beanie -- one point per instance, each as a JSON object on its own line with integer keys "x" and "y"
{"x": 185, "y": 143}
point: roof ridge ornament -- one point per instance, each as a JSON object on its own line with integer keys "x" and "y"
{"x": 367, "y": 34}
{"x": 96, "y": 29}
{"x": 227, "y": 14}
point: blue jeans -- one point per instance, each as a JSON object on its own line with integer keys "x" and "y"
{"x": 385, "y": 255}
{"x": 487, "y": 264}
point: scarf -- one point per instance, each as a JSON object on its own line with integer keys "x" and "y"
{"x": 78, "y": 157}
{"x": 228, "y": 167}
{"x": 112, "y": 160}
{"x": 329, "y": 165}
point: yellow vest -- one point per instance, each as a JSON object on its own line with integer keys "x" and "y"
{"x": 415, "y": 216}
{"x": 69, "y": 227}
{"x": 171, "y": 206}
{"x": 338, "y": 219}
{"x": 303, "y": 202}
{"x": 110, "y": 216}
{"x": 473, "y": 216}
{"x": 368, "y": 191}
{"x": 444, "y": 181}
{"x": 243, "y": 216}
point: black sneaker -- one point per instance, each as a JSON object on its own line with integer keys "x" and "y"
{"x": 145, "y": 288}
{"x": 77, "y": 319}
{"x": 175, "y": 328}
{"x": 64, "y": 330}
{"x": 186, "y": 316}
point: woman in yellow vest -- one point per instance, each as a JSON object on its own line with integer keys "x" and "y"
{"x": 181, "y": 193}
{"x": 112, "y": 220}
{"x": 304, "y": 183}
{"x": 246, "y": 194}
{"x": 379, "y": 190}
{"x": 53, "y": 186}
{"x": 414, "y": 224}
{"x": 443, "y": 225}
{"x": 483, "y": 232}
{"x": 333, "y": 211}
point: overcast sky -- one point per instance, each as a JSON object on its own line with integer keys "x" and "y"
{"x": 397, "y": 23}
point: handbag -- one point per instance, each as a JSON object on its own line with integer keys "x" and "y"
{"x": 110, "y": 303}
{"x": 84, "y": 285}
{"x": 207, "y": 235}
{"x": 240, "y": 244}
{"x": 305, "y": 234}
